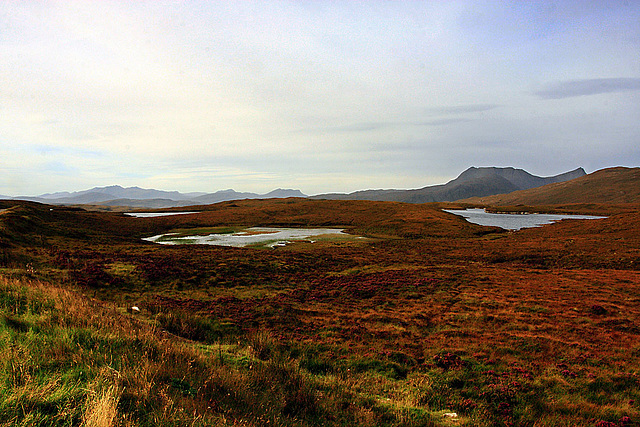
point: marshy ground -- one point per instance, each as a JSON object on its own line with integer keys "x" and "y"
{"x": 428, "y": 315}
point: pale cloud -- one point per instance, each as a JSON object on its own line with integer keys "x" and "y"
{"x": 462, "y": 109}
{"x": 585, "y": 87}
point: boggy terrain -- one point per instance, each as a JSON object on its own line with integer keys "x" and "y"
{"x": 429, "y": 321}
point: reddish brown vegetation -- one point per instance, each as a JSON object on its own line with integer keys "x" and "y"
{"x": 508, "y": 327}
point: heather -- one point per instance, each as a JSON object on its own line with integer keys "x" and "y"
{"x": 428, "y": 316}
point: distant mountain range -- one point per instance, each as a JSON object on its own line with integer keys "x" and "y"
{"x": 611, "y": 185}
{"x": 137, "y": 197}
{"x": 474, "y": 182}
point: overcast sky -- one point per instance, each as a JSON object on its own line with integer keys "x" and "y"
{"x": 322, "y": 96}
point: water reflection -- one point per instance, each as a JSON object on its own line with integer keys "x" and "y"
{"x": 156, "y": 214}
{"x": 269, "y": 236}
{"x": 513, "y": 221}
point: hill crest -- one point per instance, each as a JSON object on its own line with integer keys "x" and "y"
{"x": 475, "y": 181}
{"x": 611, "y": 185}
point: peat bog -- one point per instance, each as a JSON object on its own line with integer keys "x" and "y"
{"x": 430, "y": 315}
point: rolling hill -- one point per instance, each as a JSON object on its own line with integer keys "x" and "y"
{"x": 473, "y": 182}
{"x": 611, "y": 185}
{"x": 426, "y": 314}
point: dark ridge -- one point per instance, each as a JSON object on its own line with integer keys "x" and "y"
{"x": 474, "y": 182}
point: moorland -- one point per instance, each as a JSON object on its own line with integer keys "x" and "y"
{"x": 428, "y": 321}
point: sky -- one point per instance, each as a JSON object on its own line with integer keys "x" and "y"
{"x": 321, "y": 96}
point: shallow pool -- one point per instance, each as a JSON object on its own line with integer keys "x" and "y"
{"x": 269, "y": 236}
{"x": 513, "y": 221}
{"x": 156, "y": 214}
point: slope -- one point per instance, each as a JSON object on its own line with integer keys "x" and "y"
{"x": 474, "y": 181}
{"x": 538, "y": 327}
{"x": 612, "y": 185}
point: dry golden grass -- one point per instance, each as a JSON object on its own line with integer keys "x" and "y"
{"x": 101, "y": 408}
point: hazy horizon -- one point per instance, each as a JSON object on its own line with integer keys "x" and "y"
{"x": 222, "y": 190}
{"x": 317, "y": 96}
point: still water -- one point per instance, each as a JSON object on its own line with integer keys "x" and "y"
{"x": 271, "y": 237}
{"x": 513, "y": 221}
{"x": 156, "y": 214}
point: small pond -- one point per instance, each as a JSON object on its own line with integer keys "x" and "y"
{"x": 266, "y": 236}
{"x": 513, "y": 221}
{"x": 156, "y": 214}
